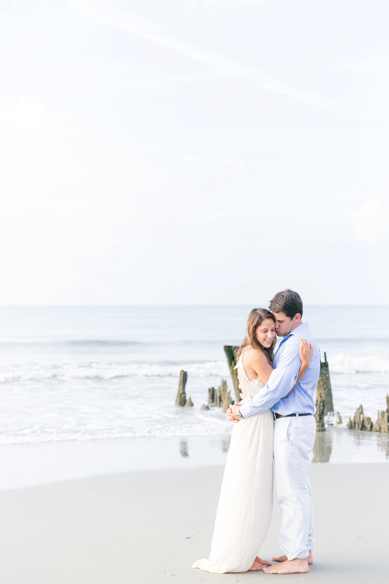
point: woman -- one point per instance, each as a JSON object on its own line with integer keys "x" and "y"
{"x": 246, "y": 498}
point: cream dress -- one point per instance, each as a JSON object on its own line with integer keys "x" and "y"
{"x": 246, "y": 498}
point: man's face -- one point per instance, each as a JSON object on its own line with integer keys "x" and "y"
{"x": 284, "y": 324}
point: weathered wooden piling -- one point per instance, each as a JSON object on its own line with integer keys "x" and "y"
{"x": 324, "y": 386}
{"x": 360, "y": 421}
{"x": 220, "y": 397}
{"x": 181, "y": 394}
{"x": 224, "y": 396}
{"x": 382, "y": 423}
{"x": 232, "y": 361}
{"x": 211, "y": 395}
{"x": 319, "y": 415}
{"x": 189, "y": 403}
{"x": 324, "y": 401}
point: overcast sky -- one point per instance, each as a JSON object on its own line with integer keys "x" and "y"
{"x": 194, "y": 151}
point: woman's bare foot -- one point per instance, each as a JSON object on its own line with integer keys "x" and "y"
{"x": 296, "y": 566}
{"x": 264, "y": 562}
{"x": 259, "y": 564}
{"x": 284, "y": 558}
{"x": 256, "y": 567}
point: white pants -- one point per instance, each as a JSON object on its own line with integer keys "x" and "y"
{"x": 293, "y": 443}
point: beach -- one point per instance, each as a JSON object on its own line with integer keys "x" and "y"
{"x": 150, "y": 526}
{"x": 105, "y": 480}
{"x": 175, "y": 176}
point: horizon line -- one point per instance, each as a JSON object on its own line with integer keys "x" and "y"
{"x": 99, "y": 305}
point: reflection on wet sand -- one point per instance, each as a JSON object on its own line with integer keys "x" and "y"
{"x": 340, "y": 445}
{"x": 383, "y": 446}
{"x": 322, "y": 448}
{"x": 226, "y": 444}
{"x": 335, "y": 445}
{"x": 184, "y": 448}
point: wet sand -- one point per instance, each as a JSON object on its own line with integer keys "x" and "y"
{"x": 150, "y": 526}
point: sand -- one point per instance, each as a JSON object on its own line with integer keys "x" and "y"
{"x": 150, "y": 526}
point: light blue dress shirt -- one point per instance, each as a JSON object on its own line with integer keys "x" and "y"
{"x": 286, "y": 364}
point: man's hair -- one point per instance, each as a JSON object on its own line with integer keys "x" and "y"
{"x": 287, "y": 301}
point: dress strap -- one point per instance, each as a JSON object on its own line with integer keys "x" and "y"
{"x": 240, "y": 357}
{"x": 241, "y": 361}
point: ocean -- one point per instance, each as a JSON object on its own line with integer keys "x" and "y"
{"x": 82, "y": 372}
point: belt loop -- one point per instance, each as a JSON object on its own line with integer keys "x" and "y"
{"x": 297, "y": 415}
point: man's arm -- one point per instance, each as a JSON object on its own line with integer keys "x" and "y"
{"x": 280, "y": 382}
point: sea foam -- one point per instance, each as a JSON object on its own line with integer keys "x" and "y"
{"x": 341, "y": 364}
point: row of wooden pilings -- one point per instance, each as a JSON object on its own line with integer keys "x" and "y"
{"x": 324, "y": 403}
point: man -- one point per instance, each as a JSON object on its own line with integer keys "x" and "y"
{"x": 294, "y": 432}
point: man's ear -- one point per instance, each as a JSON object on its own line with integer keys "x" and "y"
{"x": 297, "y": 316}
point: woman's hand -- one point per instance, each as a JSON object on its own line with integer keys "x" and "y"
{"x": 306, "y": 352}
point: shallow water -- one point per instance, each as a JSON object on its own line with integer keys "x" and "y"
{"x": 82, "y": 373}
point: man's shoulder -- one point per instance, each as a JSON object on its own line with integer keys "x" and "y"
{"x": 290, "y": 345}
{"x": 302, "y": 332}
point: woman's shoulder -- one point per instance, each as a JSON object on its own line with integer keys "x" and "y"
{"x": 252, "y": 354}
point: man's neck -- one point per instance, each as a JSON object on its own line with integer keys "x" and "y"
{"x": 296, "y": 325}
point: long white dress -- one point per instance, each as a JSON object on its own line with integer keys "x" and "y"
{"x": 246, "y": 498}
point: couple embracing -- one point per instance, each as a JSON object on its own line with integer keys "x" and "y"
{"x": 275, "y": 419}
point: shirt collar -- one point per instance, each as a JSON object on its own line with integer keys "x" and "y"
{"x": 295, "y": 331}
{"x": 284, "y": 339}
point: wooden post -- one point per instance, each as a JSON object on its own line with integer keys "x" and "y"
{"x": 225, "y": 396}
{"x": 319, "y": 416}
{"x": 324, "y": 401}
{"x": 181, "y": 395}
{"x": 382, "y": 423}
{"x": 360, "y": 421}
{"x": 324, "y": 385}
{"x": 211, "y": 396}
{"x": 231, "y": 360}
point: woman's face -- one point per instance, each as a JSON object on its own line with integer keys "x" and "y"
{"x": 266, "y": 332}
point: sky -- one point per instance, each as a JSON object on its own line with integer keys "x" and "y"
{"x": 194, "y": 151}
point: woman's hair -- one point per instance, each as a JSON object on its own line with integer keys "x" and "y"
{"x": 255, "y": 319}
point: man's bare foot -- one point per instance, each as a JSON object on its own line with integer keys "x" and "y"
{"x": 284, "y": 558}
{"x": 296, "y": 566}
{"x": 263, "y": 562}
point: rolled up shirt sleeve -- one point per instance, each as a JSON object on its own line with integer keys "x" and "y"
{"x": 281, "y": 380}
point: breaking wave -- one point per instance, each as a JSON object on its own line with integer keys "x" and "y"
{"x": 368, "y": 364}
{"x": 339, "y": 364}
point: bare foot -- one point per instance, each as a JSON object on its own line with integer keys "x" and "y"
{"x": 263, "y": 562}
{"x": 256, "y": 567}
{"x": 284, "y": 558}
{"x": 296, "y": 566}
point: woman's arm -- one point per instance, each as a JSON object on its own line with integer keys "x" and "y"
{"x": 306, "y": 352}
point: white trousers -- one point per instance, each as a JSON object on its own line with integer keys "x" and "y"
{"x": 293, "y": 444}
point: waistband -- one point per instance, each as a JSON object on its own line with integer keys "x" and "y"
{"x": 276, "y": 416}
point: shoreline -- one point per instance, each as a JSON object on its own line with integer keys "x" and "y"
{"x": 150, "y": 526}
{"x": 30, "y": 464}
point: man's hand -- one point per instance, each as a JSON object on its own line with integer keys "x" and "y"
{"x": 231, "y": 413}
